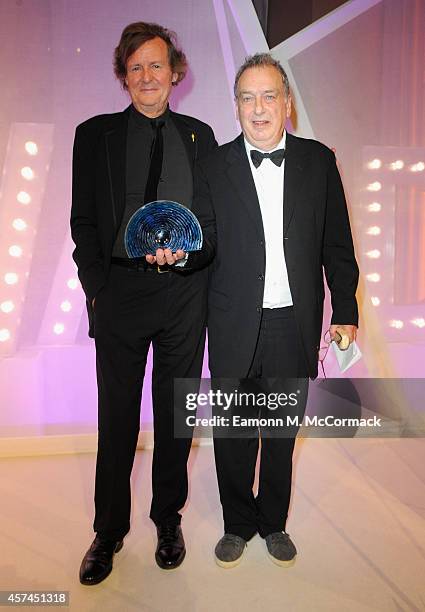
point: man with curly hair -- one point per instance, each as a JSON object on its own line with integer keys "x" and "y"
{"x": 122, "y": 160}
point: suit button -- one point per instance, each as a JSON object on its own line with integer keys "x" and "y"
{"x": 261, "y": 277}
{"x": 261, "y": 242}
{"x": 259, "y": 309}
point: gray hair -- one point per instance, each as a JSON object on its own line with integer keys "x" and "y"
{"x": 257, "y": 61}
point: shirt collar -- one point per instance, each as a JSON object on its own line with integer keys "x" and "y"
{"x": 249, "y": 147}
{"x": 144, "y": 121}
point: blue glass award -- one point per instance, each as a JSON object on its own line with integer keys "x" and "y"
{"x": 162, "y": 224}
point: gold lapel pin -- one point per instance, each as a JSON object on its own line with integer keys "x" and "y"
{"x": 193, "y": 137}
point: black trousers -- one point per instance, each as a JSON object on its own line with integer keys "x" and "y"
{"x": 134, "y": 309}
{"x": 278, "y": 355}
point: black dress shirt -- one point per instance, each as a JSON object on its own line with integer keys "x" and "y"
{"x": 176, "y": 176}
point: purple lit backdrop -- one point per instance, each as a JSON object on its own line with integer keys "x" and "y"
{"x": 354, "y": 76}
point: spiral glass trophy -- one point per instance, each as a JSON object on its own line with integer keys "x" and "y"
{"x": 162, "y": 224}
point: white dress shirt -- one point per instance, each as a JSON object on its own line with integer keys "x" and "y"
{"x": 268, "y": 179}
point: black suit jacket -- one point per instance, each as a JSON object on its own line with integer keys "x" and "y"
{"x": 98, "y": 189}
{"x": 317, "y": 236}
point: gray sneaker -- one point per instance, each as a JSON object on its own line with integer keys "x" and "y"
{"x": 229, "y": 550}
{"x": 281, "y": 549}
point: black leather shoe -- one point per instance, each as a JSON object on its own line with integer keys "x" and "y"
{"x": 171, "y": 550}
{"x": 97, "y": 562}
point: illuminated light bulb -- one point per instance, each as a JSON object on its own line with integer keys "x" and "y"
{"x": 78, "y": 50}
{"x": 31, "y": 148}
{"x": 397, "y": 165}
{"x": 376, "y": 186}
{"x": 419, "y": 167}
{"x": 59, "y": 328}
{"x": 19, "y": 224}
{"x": 66, "y": 306}
{"x": 397, "y": 324}
{"x": 73, "y": 283}
{"x": 7, "y": 306}
{"x": 419, "y": 322}
{"x": 374, "y": 207}
{"x": 11, "y": 278}
{"x": 373, "y": 230}
{"x": 4, "y": 335}
{"x": 23, "y": 197}
{"x": 374, "y": 164}
{"x": 15, "y": 251}
{"x": 375, "y": 300}
{"x": 374, "y": 254}
{"x": 27, "y": 173}
{"x": 373, "y": 277}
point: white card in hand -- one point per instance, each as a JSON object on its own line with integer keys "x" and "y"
{"x": 348, "y": 357}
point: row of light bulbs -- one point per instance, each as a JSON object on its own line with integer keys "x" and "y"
{"x": 66, "y": 306}
{"x": 25, "y": 198}
{"x": 398, "y": 164}
{"x": 18, "y": 224}
{"x": 8, "y": 306}
{"x": 398, "y": 324}
{"x": 375, "y": 230}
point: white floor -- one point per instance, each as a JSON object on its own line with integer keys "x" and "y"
{"x": 357, "y": 518}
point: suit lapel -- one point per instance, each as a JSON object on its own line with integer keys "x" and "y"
{"x": 239, "y": 173}
{"x": 295, "y": 164}
{"x": 188, "y": 135}
{"x": 116, "y": 152}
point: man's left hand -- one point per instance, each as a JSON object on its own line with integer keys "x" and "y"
{"x": 165, "y": 256}
{"x": 347, "y": 330}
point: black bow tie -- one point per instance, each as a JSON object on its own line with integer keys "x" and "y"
{"x": 277, "y": 157}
